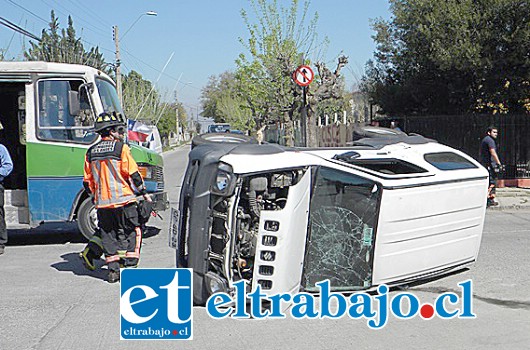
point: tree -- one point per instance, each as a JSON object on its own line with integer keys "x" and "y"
{"x": 64, "y": 47}
{"x": 140, "y": 98}
{"x": 167, "y": 119}
{"x": 449, "y": 57}
{"x": 278, "y": 43}
{"x": 223, "y": 101}
{"x": 329, "y": 93}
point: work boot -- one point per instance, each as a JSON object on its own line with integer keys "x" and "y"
{"x": 87, "y": 259}
{"x": 131, "y": 262}
{"x": 2, "y": 248}
{"x": 114, "y": 276}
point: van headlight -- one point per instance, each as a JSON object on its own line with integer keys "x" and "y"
{"x": 215, "y": 283}
{"x": 224, "y": 181}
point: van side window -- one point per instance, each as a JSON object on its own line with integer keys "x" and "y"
{"x": 55, "y": 121}
{"x": 448, "y": 161}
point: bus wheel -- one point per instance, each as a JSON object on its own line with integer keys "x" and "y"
{"x": 87, "y": 219}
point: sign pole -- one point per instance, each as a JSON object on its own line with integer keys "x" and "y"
{"x": 304, "y": 116}
{"x": 303, "y": 76}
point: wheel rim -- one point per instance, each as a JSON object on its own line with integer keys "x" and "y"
{"x": 93, "y": 218}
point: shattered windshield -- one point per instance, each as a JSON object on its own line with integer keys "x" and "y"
{"x": 343, "y": 217}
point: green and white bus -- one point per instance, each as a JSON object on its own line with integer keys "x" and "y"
{"x": 47, "y": 112}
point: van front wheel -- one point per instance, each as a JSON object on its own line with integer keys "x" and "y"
{"x": 87, "y": 219}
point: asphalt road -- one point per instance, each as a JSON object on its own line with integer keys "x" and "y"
{"x": 49, "y": 301}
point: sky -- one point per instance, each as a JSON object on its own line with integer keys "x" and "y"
{"x": 188, "y": 40}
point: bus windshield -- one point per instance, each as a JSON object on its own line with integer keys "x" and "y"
{"x": 109, "y": 97}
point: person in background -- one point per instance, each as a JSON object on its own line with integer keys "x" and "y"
{"x": 490, "y": 160}
{"x": 6, "y": 166}
{"x": 394, "y": 125}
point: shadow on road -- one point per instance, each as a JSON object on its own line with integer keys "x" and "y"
{"x": 72, "y": 262}
{"x": 150, "y": 231}
{"x": 50, "y": 233}
{"x": 57, "y": 233}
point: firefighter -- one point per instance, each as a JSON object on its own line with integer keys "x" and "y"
{"x": 110, "y": 174}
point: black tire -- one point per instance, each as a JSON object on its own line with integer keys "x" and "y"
{"x": 360, "y": 132}
{"x": 224, "y": 137}
{"x": 87, "y": 219}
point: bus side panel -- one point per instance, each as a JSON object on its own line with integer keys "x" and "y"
{"x": 55, "y": 177}
{"x": 429, "y": 228}
{"x": 51, "y": 199}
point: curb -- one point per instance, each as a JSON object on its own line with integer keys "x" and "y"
{"x": 509, "y": 208}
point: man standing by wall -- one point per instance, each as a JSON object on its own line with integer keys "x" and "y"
{"x": 6, "y": 166}
{"x": 110, "y": 172}
{"x": 490, "y": 160}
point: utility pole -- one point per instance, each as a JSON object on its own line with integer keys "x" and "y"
{"x": 118, "y": 62}
{"x": 117, "y": 44}
{"x": 177, "y": 116}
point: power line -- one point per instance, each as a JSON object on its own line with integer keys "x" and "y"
{"x": 148, "y": 65}
{"x": 89, "y": 12}
{"x": 156, "y": 69}
{"x": 18, "y": 29}
{"x": 95, "y": 30}
{"x": 28, "y": 11}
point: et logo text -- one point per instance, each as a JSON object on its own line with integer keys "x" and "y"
{"x": 156, "y": 304}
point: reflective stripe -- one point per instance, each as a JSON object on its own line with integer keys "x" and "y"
{"x": 132, "y": 255}
{"x": 97, "y": 240}
{"x": 112, "y": 181}
{"x": 122, "y": 253}
{"x": 138, "y": 242}
{"x": 113, "y": 166}
{"x": 122, "y": 200}
{"x": 95, "y": 167}
{"x": 112, "y": 258}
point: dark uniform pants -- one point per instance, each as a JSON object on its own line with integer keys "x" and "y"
{"x": 3, "y": 230}
{"x": 492, "y": 183}
{"x": 120, "y": 232}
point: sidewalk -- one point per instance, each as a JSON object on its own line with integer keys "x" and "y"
{"x": 512, "y": 198}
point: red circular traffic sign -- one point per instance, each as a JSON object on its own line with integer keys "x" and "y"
{"x": 303, "y": 75}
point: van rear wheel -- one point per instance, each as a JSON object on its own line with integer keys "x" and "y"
{"x": 224, "y": 137}
{"x": 87, "y": 219}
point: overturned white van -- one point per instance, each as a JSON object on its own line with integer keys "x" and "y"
{"x": 386, "y": 210}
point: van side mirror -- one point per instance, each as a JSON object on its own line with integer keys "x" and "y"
{"x": 73, "y": 103}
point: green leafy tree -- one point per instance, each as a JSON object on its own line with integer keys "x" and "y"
{"x": 62, "y": 45}
{"x": 279, "y": 41}
{"x": 140, "y": 98}
{"x": 167, "y": 120}
{"x": 277, "y": 44}
{"x": 223, "y": 101}
{"x": 448, "y": 57}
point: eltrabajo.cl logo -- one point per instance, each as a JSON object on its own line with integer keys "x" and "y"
{"x": 156, "y": 304}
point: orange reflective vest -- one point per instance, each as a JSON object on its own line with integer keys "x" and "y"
{"x": 108, "y": 169}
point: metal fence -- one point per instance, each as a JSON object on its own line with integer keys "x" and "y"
{"x": 464, "y": 132}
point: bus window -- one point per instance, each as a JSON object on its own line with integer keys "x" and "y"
{"x": 55, "y": 123}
